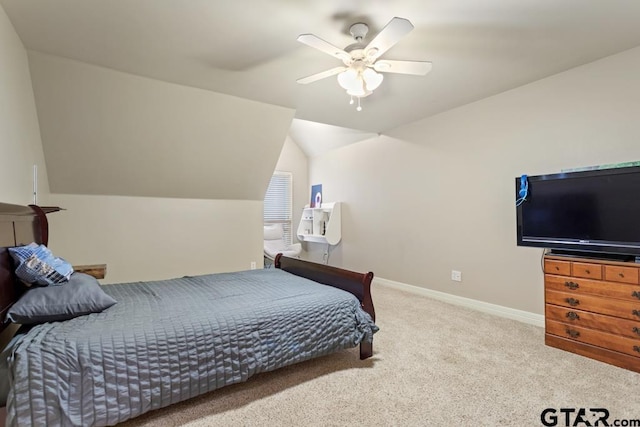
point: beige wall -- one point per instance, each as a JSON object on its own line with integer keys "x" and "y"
{"x": 292, "y": 159}
{"x": 20, "y": 146}
{"x": 145, "y": 238}
{"x": 438, "y": 194}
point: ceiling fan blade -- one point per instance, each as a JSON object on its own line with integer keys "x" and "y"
{"x": 326, "y": 47}
{"x": 417, "y": 68}
{"x": 318, "y": 76}
{"x": 387, "y": 37}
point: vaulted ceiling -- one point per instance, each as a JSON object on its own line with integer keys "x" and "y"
{"x": 248, "y": 48}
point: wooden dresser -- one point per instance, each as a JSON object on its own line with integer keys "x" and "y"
{"x": 592, "y": 308}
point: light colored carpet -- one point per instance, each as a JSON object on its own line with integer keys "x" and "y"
{"x": 434, "y": 364}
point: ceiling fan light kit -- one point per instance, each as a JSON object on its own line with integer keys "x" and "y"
{"x": 360, "y": 75}
{"x": 359, "y": 81}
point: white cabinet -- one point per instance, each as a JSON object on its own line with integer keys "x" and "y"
{"x": 321, "y": 225}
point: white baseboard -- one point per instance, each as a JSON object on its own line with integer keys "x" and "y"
{"x": 498, "y": 310}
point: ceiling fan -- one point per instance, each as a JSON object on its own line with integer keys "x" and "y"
{"x": 359, "y": 75}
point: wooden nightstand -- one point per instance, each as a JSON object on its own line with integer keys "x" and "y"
{"x": 96, "y": 270}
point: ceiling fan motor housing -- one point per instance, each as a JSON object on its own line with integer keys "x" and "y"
{"x": 359, "y": 31}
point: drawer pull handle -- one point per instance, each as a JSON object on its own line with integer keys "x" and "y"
{"x": 636, "y": 348}
{"x": 587, "y": 271}
{"x": 573, "y": 302}
{"x": 635, "y": 313}
{"x": 621, "y": 274}
{"x": 635, "y": 294}
{"x": 557, "y": 268}
{"x": 574, "y": 334}
{"x": 636, "y": 330}
{"x": 572, "y": 315}
{"x": 571, "y": 285}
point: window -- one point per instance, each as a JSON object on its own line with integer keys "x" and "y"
{"x": 277, "y": 203}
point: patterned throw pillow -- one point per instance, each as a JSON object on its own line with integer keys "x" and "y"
{"x": 37, "y": 265}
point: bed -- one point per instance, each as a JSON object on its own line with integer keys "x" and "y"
{"x": 167, "y": 341}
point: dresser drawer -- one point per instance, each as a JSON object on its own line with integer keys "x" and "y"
{"x": 616, "y": 273}
{"x": 586, "y": 270}
{"x": 601, "y": 339}
{"x": 586, "y": 319}
{"x": 595, "y": 304}
{"x": 554, "y": 266}
{"x": 592, "y": 287}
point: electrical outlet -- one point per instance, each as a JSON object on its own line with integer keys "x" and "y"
{"x": 253, "y": 265}
{"x": 456, "y": 275}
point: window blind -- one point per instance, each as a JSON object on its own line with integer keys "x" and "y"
{"x": 278, "y": 203}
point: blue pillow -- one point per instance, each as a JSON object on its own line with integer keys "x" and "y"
{"x": 37, "y": 265}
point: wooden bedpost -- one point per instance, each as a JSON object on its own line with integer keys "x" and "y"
{"x": 367, "y": 301}
{"x": 366, "y": 348}
{"x": 43, "y": 224}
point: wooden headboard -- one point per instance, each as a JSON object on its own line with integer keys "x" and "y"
{"x": 19, "y": 225}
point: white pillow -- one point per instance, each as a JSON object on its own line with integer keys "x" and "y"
{"x": 273, "y": 232}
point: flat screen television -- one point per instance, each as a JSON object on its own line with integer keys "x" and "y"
{"x": 591, "y": 213}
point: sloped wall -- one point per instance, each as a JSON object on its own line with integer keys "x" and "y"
{"x": 20, "y": 146}
{"x": 111, "y": 133}
{"x": 158, "y": 180}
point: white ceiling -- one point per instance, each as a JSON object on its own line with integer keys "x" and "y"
{"x": 316, "y": 138}
{"x": 248, "y": 48}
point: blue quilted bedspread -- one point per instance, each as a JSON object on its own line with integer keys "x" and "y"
{"x": 167, "y": 341}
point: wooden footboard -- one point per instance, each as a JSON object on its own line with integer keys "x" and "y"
{"x": 359, "y": 284}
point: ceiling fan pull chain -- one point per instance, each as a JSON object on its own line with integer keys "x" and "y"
{"x": 351, "y": 101}
{"x": 359, "y": 108}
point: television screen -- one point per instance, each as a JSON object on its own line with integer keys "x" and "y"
{"x": 595, "y": 211}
